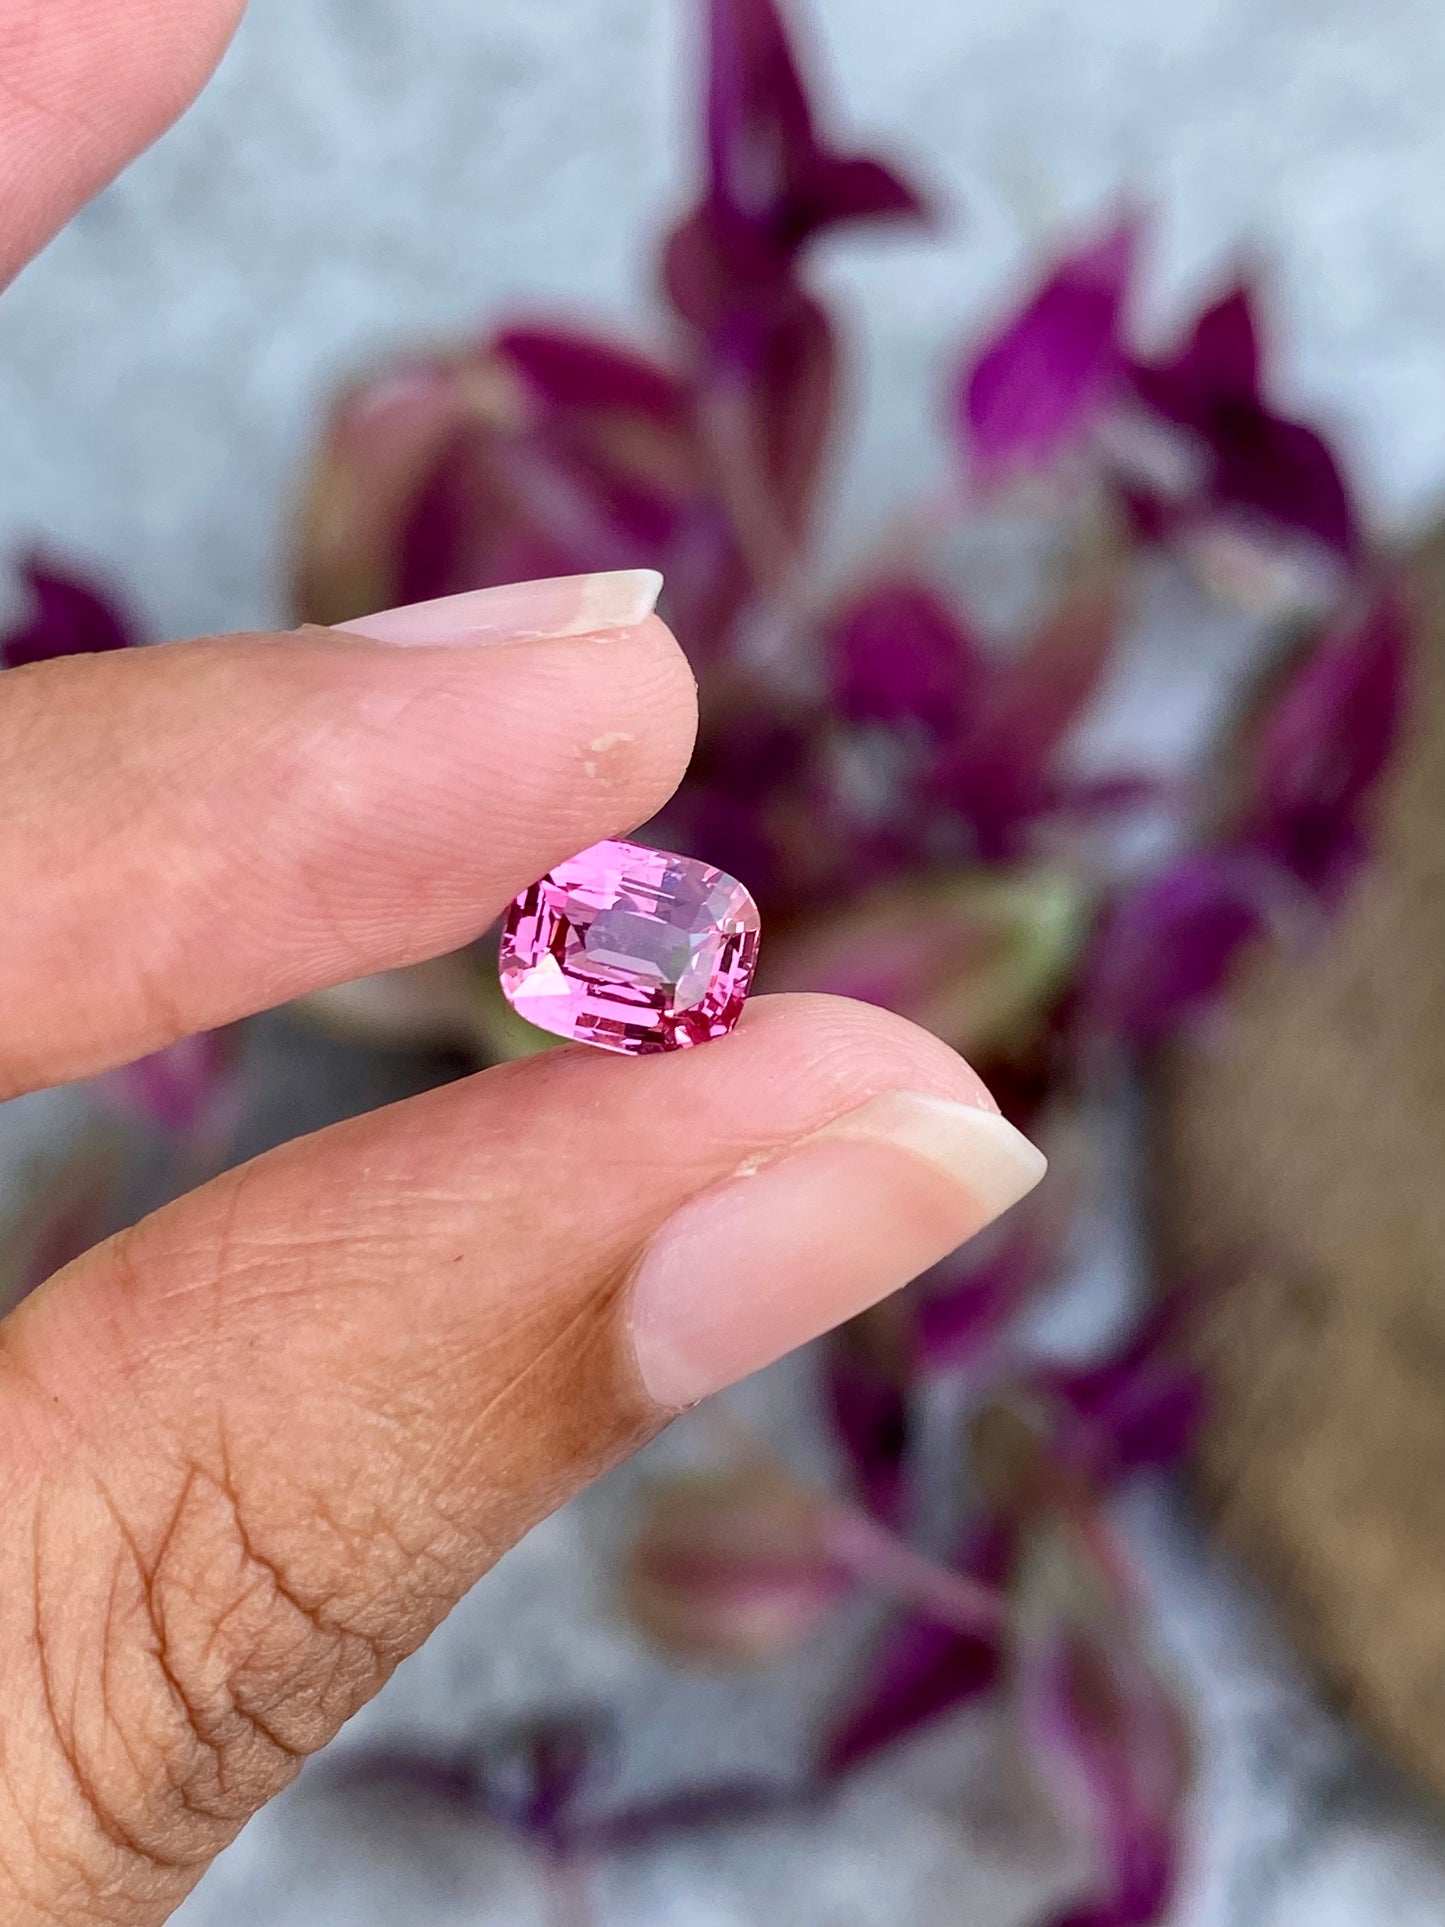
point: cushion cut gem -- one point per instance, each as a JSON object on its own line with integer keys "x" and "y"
{"x": 633, "y": 949}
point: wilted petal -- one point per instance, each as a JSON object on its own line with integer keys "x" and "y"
{"x": 68, "y": 617}
{"x": 1324, "y": 743}
{"x": 731, "y": 1567}
{"x": 1168, "y": 947}
{"x": 977, "y": 958}
{"x": 1041, "y": 382}
{"x": 898, "y": 654}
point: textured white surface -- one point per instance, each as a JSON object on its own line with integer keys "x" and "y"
{"x": 366, "y": 170}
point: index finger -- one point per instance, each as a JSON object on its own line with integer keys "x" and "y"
{"x": 84, "y": 86}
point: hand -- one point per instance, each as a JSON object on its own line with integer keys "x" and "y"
{"x": 253, "y": 1450}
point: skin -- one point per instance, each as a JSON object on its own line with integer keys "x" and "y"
{"x": 254, "y": 1449}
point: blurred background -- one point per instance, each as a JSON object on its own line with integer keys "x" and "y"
{"x": 370, "y": 181}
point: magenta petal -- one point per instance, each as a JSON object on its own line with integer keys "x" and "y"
{"x": 921, "y": 1672}
{"x": 188, "y": 1087}
{"x": 1043, "y": 379}
{"x": 1167, "y": 948}
{"x": 570, "y": 370}
{"x": 871, "y": 1411}
{"x": 967, "y": 1303}
{"x": 1284, "y": 471}
{"x": 772, "y": 184}
{"x": 1325, "y": 744}
{"x": 1219, "y": 362}
{"x": 633, "y": 949}
{"x": 69, "y": 618}
{"x": 859, "y": 188}
{"x": 1108, "y": 1733}
{"x": 1262, "y": 463}
{"x": 899, "y": 655}
{"x": 1139, "y": 1408}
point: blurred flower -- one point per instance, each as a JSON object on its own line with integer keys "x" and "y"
{"x": 1322, "y": 744}
{"x": 1260, "y": 462}
{"x": 921, "y": 1671}
{"x": 1169, "y": 945}
{"x": 188, "y": 1090}
{"x": 977, "y": 957}
{"x": 1137, "y": 1409}
{"x": 542, "y": 452}
{"x": 892, "y": 771}
{"x": 1038, "y": 386}
{"x": 771, "y": 184}
{"x": 1107, "y": 1734}
{"x": 68, "y": 616}
{"x": 868, "y": 1386}
{"x": 1001, "y": 769}
{"x": 898, "y": 655}
{"x": 732, "y": 1567}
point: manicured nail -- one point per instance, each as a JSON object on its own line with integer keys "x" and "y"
{"x": 790, "y": 1247}
{"x": 566, "y": 605}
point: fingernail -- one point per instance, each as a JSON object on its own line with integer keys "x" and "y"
{"x": 565, "y": 605}
{"x": 789, "y": 1248}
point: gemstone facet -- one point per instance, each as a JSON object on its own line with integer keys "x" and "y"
{"x": 633, "y": 949}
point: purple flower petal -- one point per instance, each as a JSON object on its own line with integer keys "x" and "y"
{"x": 1325, "y": 743}
{"x": 187, "y": 1089}
{"x": 1141, "y": 1407}
{"x": 999, "y": 770}
{"x": 69, "y": 617}
{"x": 1041, "y": 382}
{"x": 771, "y": 184}
{"x": 1167, "y": 948}
{"x": 966, "y": 1305}
{"x": 921, "y": 1672}
{"x": 1262, "y": 463}
{"x": 1218, "y": 363}
{"x": 1285, "y": 472}
{"x": 767, "y": 391}
{"x": 565, "y": 369}
{"x": 771, "y": 180}
{"x": 1108, "y": 1734}
{"x": 867, "y": 1396}
{"x": 899, "y": 655}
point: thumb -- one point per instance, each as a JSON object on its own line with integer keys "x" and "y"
{"x": 252, "y": 1451}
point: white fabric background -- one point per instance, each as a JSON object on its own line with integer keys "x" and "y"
{"x": 363, "y": 171}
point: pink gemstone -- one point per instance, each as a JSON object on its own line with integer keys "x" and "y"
{"x": 633, "y": 949}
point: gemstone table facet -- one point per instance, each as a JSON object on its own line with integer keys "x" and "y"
{"x": 633, "y": 949}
